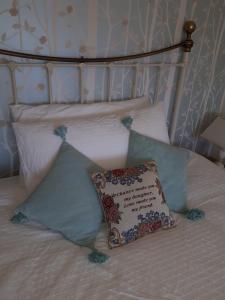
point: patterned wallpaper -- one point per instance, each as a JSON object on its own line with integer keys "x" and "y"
{"x": 102, "y": 28}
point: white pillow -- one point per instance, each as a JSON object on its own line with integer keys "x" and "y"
{"x": 28, "y": 113}
{"x": 22, "y": 112}
{"x": 102, "y": 138}
{"x": 151, "y": 121}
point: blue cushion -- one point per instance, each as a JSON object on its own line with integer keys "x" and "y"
{"x": 66, "y": 200}
{"x": 171, "y": 162}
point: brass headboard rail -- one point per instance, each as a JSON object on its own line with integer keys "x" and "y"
{"x": 187, "y": 44}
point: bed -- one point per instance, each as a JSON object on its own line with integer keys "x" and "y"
{"x": 182, "y": 263}
{"x": 187, "y": 262}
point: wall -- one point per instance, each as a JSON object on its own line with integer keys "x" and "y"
{"x": 103, "y": 28}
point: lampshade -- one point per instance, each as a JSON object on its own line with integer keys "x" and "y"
{"x": 215, "y": 133}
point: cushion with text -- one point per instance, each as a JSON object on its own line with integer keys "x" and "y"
{"x": 133, "y": 202}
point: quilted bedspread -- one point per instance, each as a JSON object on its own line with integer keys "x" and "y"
{"x": 187, "y": 262}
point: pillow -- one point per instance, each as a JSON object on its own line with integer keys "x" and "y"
{"x": 23, "y": 112}
{"x": 151, "y": 121}
{"x": 171, "y": 162}
{"x": 66, "y": 200}
{"x": 133, "y": 202}
{"x": 101, "y": 138}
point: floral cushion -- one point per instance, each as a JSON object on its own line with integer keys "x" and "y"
{"x": 133, "y": 202}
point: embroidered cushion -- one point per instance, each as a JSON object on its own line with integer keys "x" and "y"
{"x": 66, "y": 200}
{"x": 133, "y": 202}
{"x": 171, "y": 162}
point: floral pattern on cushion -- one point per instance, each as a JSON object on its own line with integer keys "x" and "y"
{"x": 111, "y": 209}
{"x": 147, "y": 224}
{"x": 133, "y": 202}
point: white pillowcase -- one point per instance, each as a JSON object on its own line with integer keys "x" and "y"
{"x": 22, "y": 112}
{"x": 151, "y": 121}
{"x": 30, "y": 113}
{"x": 102, "y": 138}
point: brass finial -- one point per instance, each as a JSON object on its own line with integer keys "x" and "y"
{"x": 189, "y": 28}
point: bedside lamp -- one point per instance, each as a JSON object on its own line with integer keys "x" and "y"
{"x": 215, "y": 133}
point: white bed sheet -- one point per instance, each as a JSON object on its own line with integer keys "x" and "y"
{"x": 187, "y": 262}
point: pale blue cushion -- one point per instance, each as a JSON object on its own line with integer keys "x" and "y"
{"x": 171, "y": 162}
{"x": 66, "y": 200}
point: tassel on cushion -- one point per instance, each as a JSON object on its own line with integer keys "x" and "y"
{"x": 97, "y": 257}
{"x": 127, "y": 122}
{"x": 194, "y": 214}
{"x": 61, "y": 131}
{"x": 19, "y": 218}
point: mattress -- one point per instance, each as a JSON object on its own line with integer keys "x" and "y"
{"x": 187, "y": 262}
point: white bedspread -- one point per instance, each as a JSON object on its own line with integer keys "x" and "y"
{"x": 187, "y": 262}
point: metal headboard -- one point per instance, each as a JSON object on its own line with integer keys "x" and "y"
{"x": 51, "y": 62}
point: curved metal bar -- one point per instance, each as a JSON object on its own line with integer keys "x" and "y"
{"x": 187, "y": 44}
{"x": 88, "y": 60}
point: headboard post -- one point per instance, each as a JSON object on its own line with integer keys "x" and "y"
{"x": 189, "y": 28}
{"x": 49, "y": 68}
{"x": 12, "y": 67}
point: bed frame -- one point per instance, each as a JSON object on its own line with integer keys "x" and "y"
{"x": 130, "y": 61}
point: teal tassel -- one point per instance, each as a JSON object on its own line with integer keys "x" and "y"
{"x": 127, "y": 122}
{"x": 19, "y": 218}
{"x": 61, "y": 131}
{"x": 97, "y": 257}
{"x": 194, "y": 214}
